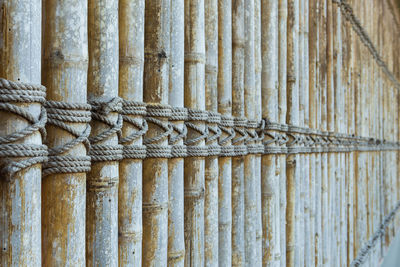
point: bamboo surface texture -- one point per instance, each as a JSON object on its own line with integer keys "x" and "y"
{"x": 199, "y": 132}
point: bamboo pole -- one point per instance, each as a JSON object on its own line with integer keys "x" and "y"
{"x": 176, "y": 239}
{"x": 292, "y": 119}
{"x": 65, "y": 63}
{"x": 211, "y": 162}
{"x": 155, "y": 170}
{"x": 270, "y": 186}
{"x": 194, "y": 98}
{"x": 238, "y": 110}
{"x": 315, "y": 214}
{"x": 131, "y": 57}
{"x": 258, "y": 117}
{"x": 20, "y": 55}
{"x": 102, "y": 180}
{"x": 225, "y": 108}
{"x": 281, "y": 159}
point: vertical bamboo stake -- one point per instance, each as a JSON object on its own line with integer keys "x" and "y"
{"x": 225, "y": 108}
{"x": 65, "y": 63}
{"x": 238, "y": 44}
{"x": 176, "y": 238}
{"x": 155, "y": 170}
{"x": 292, "y": 118}
{"x": 258, "y": 116}
{"x": 250, "y": 180}
{"x": 211, "y": 162}
{"x": 281, "y": 159}
{"x": 131, "y": 57}
{"x": 194, "y": 98}
{"x": 315, "y": 214}
{"x": 102, "y": 180}
{"x": 270, "y": 186}
{"x": 20, "y": 55}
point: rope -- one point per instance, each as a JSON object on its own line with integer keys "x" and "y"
{"x": 101, "y": 110}
{"x": 366, "y": 249}
{"x": 196, "y": 121}
{"x": 133, "y": 108}
{"x": 18, "y": 92}
{"x": 62, "y": 115}
{"x": 153, "y": 146}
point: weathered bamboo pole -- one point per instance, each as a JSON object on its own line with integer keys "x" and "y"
{"x": 65, "y": 63}
{"x": 131, "y": 57}
{"x": 315, "y": 206}
{"x": 155, "y": 170}
{"x": 332, "y": 157}
{"x": 225, "y": 108}
{"x": 238, "y": 44}
{"x": 102, "y": 180}
{"x": 269, "y": 83}
{"x": 292, "y": 118}
{"x": 258, "y": 117}
{"x": 176, "y": 238}
{"x": 20, "y": 55}
{"x": 281, "y": 159}
{"x": 250, "y": 174}
{"x": 211, "y": 162}
{"x": 194, "y": 98}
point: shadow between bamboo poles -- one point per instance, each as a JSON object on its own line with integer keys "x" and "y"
{"x": 281, "y": 159}
{"x": 270, "y": 186}
{"x": 225, "y": 108}
{"x": 292, "y": 118}
{"x": 258, "y": 116}
{"x": 238, "y": 44}
{"x": 131, "y": 57}
{"x": 20, "y": 196}
{"x": 250, "y": 175}
{"x": 65, "y": 63}
{"x": 102, "y": 180}
{"x": 155, "y": 170}
{"x": 194, "y": 98}
{"x": 211, "y": 162}
{"x": 176, "y": 239}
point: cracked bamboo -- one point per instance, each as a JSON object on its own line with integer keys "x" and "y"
{"x": 20, "y": 57}
{"x": 65, "y": 63}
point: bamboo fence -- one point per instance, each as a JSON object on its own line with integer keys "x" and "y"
{"x": 199, "y": 132}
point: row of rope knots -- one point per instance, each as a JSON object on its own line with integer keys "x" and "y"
{"x": 11, "y": 95}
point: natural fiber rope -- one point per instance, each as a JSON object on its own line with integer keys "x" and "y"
{"x": 18, "y": 92}
{"x": 348, "y": 13}
{"x": 101, "y": 110}
{"x": 61, "y": 115}
{"x": 133, "y": 108}
{"x": 366, "y": 249}
{"x": 196, "y": 123}
{"x": 153, "y": 147}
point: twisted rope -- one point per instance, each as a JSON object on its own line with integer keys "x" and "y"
{"x": 100, "y": 112}
{"x": 154, "y": 149}
{"x": 18, "y": 92}
{"x": 178, "y": 150}
{"x": 366, "y": 249}
{"x": 61, "y": 115}
{"x": 133, "y": 108}
{"x": 193, "y": 149}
